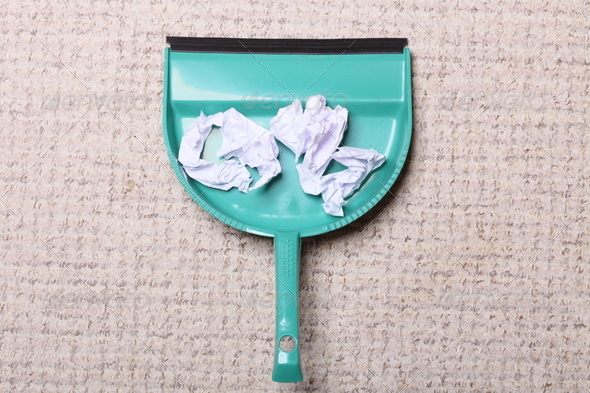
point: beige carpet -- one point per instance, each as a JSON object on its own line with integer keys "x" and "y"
{"x": 475, "y": 279}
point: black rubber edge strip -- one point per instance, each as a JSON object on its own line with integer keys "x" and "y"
{"x": 287, "y": 45}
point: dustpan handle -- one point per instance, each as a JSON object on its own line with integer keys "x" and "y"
{"x": 287, "y": 251}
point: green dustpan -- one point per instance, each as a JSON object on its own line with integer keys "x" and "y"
{"x": 370, "y": 77}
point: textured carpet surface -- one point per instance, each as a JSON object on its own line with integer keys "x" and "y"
{"x": 474, "y": 278}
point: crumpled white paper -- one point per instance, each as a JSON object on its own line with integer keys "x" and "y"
{"x": 252, "y": 144}
{"x": 339, "y": 185}
{"x": 243, "y": 139}
{"x": 317, "y": 132}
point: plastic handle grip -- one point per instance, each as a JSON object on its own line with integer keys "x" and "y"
{"x": 287, "y": 366}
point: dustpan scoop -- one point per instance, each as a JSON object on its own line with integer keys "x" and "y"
{"x": 370, "y": 77}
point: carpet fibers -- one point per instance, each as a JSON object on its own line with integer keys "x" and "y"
{"x": 472, "y": 276}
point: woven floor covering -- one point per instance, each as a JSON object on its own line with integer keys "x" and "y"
{"x": 473, "y": 275}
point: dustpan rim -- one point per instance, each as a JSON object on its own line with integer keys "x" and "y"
{"x": 261, "y": 230}
{"x": 287, "y": 45}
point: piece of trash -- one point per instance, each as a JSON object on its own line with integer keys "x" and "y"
{"x": 340, "y": 185}
{"x": 317, "y": 131}
{"x": 243, "y": 139}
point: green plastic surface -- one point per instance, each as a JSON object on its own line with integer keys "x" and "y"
{"x": 376, "y": 90}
